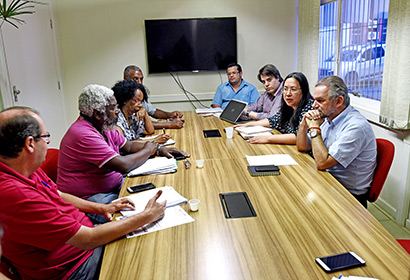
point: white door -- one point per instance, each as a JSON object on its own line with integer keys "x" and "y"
{"x": 29, "y": 65}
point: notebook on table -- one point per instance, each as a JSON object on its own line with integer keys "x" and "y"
{"x": 263, "y": 170}
{"x": 247, "y": 132}
{"x": 233, "y": 111}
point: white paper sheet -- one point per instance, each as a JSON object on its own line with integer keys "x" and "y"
{"x": 141, "y": 199}
{"x": 156, "y": 165}
{"x": 174, "y": 216}
{"x": 249, "y": 136}
{"x": 252, "y": 129}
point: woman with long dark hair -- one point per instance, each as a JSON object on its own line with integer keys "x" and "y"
{"x": 296, "y": 101}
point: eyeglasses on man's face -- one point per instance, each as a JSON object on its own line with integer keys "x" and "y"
{"x": 292, "y": 90}
{"x": 232, "y": 73}
{"x": 46, "y": 137}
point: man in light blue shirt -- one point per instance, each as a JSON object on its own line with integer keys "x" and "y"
{"x": 235, "y": 88}
{"x": 341, "y": 139}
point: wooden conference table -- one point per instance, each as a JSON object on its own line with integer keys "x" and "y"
{"x": 301, "y": 214}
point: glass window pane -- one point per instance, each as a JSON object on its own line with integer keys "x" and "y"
{"x": 361, "y": 46}
{"x": 327, "y": 39}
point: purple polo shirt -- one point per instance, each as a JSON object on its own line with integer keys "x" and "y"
{"x": 83, "y": 153}
{"x": 267, "y": 105}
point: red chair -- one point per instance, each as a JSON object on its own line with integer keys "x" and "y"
{"x": 385, "y": 154}
{"x": 405, "y": 243}
{"x": 49, "y": 166}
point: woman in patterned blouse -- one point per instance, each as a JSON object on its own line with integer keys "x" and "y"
{"x": 295, "y": 103}
{"x": 133, "y": 121}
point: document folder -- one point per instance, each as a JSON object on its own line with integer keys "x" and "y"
{"x": 237, "y": 205}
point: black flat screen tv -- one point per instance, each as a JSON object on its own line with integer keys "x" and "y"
{"x": 190, "y": 45}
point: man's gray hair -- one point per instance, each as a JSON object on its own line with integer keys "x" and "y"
{"x": 127, "y": 70}
{"x": 94, "y": 97}
{"x": 337, "y": 87}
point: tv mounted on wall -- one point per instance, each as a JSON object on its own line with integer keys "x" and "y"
{"x": 190, "y": 45}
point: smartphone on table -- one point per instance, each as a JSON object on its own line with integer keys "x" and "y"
{"x": 339, "y": 262}
{"x": 178, "y": 156}
{"x": 141, "y": 187}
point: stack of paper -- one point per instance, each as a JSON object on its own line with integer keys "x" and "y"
{"x": 153, "y": 166}
{"x": 140, "y": 199}
{"x": 249, "y": 136}
{"x": 247, "y": 132}
{"x": 174, "y": 214}
{"x": 253, "y": 129}
{"x": 208, "y": 110}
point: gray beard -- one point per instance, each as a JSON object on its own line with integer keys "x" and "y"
{"x": 107, "y": 127}
{"x": 109, "y": 124}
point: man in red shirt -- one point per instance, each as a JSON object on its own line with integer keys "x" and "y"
{"x": 46, "y": 233}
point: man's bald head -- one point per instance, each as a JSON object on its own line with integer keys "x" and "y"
{"x": 16, "y": 124}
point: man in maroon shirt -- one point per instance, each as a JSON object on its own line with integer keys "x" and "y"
{"x": 46, "y": 233}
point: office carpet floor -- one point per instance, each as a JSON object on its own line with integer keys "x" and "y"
{"x": 388, "y": 222}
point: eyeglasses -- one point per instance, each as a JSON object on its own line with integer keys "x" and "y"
{"x": 292, "y": 90}
{"x": 46, "y": 137}
{"x": 135, "y": 100}
{"x": 233, "y": 73}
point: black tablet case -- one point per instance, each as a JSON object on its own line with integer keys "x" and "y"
{"x": 237, "y": 205}
{"x": 275, "y": 170}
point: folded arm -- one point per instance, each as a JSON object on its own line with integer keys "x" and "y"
{"x": 160, "y": 114}
{"x": 320, "y": 152}
{"x": 135, "y": 154}
{"x": 174, "y": 123}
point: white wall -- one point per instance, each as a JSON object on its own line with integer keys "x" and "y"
{"x": 98, "y": 38}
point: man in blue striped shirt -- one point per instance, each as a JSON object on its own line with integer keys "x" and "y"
{"x": 341, "y": 139}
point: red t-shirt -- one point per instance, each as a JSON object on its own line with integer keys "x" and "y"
{"x": 37, "y": 223}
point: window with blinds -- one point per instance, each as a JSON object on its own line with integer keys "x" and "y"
{"x": 352, "y": 43}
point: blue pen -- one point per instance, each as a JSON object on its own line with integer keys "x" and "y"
{"x": 45, "y": 184}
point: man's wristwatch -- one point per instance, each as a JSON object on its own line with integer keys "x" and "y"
{"x": 247, "y": 113}
{"x": 314, "y": 132}
{"x": 159, "y": 147}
